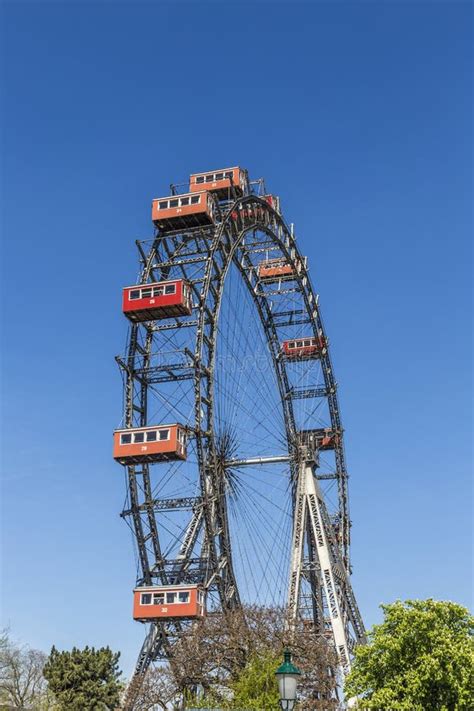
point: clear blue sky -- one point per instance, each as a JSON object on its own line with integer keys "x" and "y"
{"x": 359, "y": 116}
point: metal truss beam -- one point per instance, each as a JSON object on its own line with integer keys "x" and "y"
{"x": 181, "y": 261}
{"x": 278, "y": 292}
{"x": 176, "y": 325}
{"x": 189, "y": 561}
{"x": 190, "y": 502}
{"x": 305, "y": 393}
{"x": 293, "y": 313}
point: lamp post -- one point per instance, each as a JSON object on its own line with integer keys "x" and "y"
{"x": 287, "y": 675}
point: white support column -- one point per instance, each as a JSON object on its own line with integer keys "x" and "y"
{"x": 314, "y": 501}
{"x": 311, "y": 519}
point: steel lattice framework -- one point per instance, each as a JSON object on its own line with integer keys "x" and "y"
{"x": 185, "y": 517}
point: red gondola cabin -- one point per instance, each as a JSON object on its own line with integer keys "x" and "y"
{"x": 304, "y": 348}
{"x": 162, "y": 299}
{"x": 169, "y": 602}
{"x": 157, "y": 443}
{"x": 183, "y": 211}
{"x": 273, "y": 201}
{"x": 254, "y": 211}
{"x": 276, "y": 269}
{"x": 326, "y": 438}
{"x": 219, "y": 182}
{"x": 323, "y": 438}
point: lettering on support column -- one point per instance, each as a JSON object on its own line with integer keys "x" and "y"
{"x": 317, "y": 522}
{"x": 331, "y": 595}
{"x": 298, "y": 530}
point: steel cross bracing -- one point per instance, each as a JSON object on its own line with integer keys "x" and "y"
{"x": 246, "y": 229}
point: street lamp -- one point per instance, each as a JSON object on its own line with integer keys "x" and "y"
{"x": 287, "y": 675}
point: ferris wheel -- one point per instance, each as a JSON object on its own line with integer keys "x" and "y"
{"x": 231, "y": 439}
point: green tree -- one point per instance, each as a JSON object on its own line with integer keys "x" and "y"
{"x": 421, "y": 658}
{"x": 84, "y": 679}
{"x": 256, "y": 686}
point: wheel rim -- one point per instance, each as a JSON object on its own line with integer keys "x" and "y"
{"x": 200, "y": 520}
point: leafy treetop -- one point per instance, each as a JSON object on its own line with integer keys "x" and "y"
{"x": 421, "y": 657}
{"x": 84, "y": 679}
